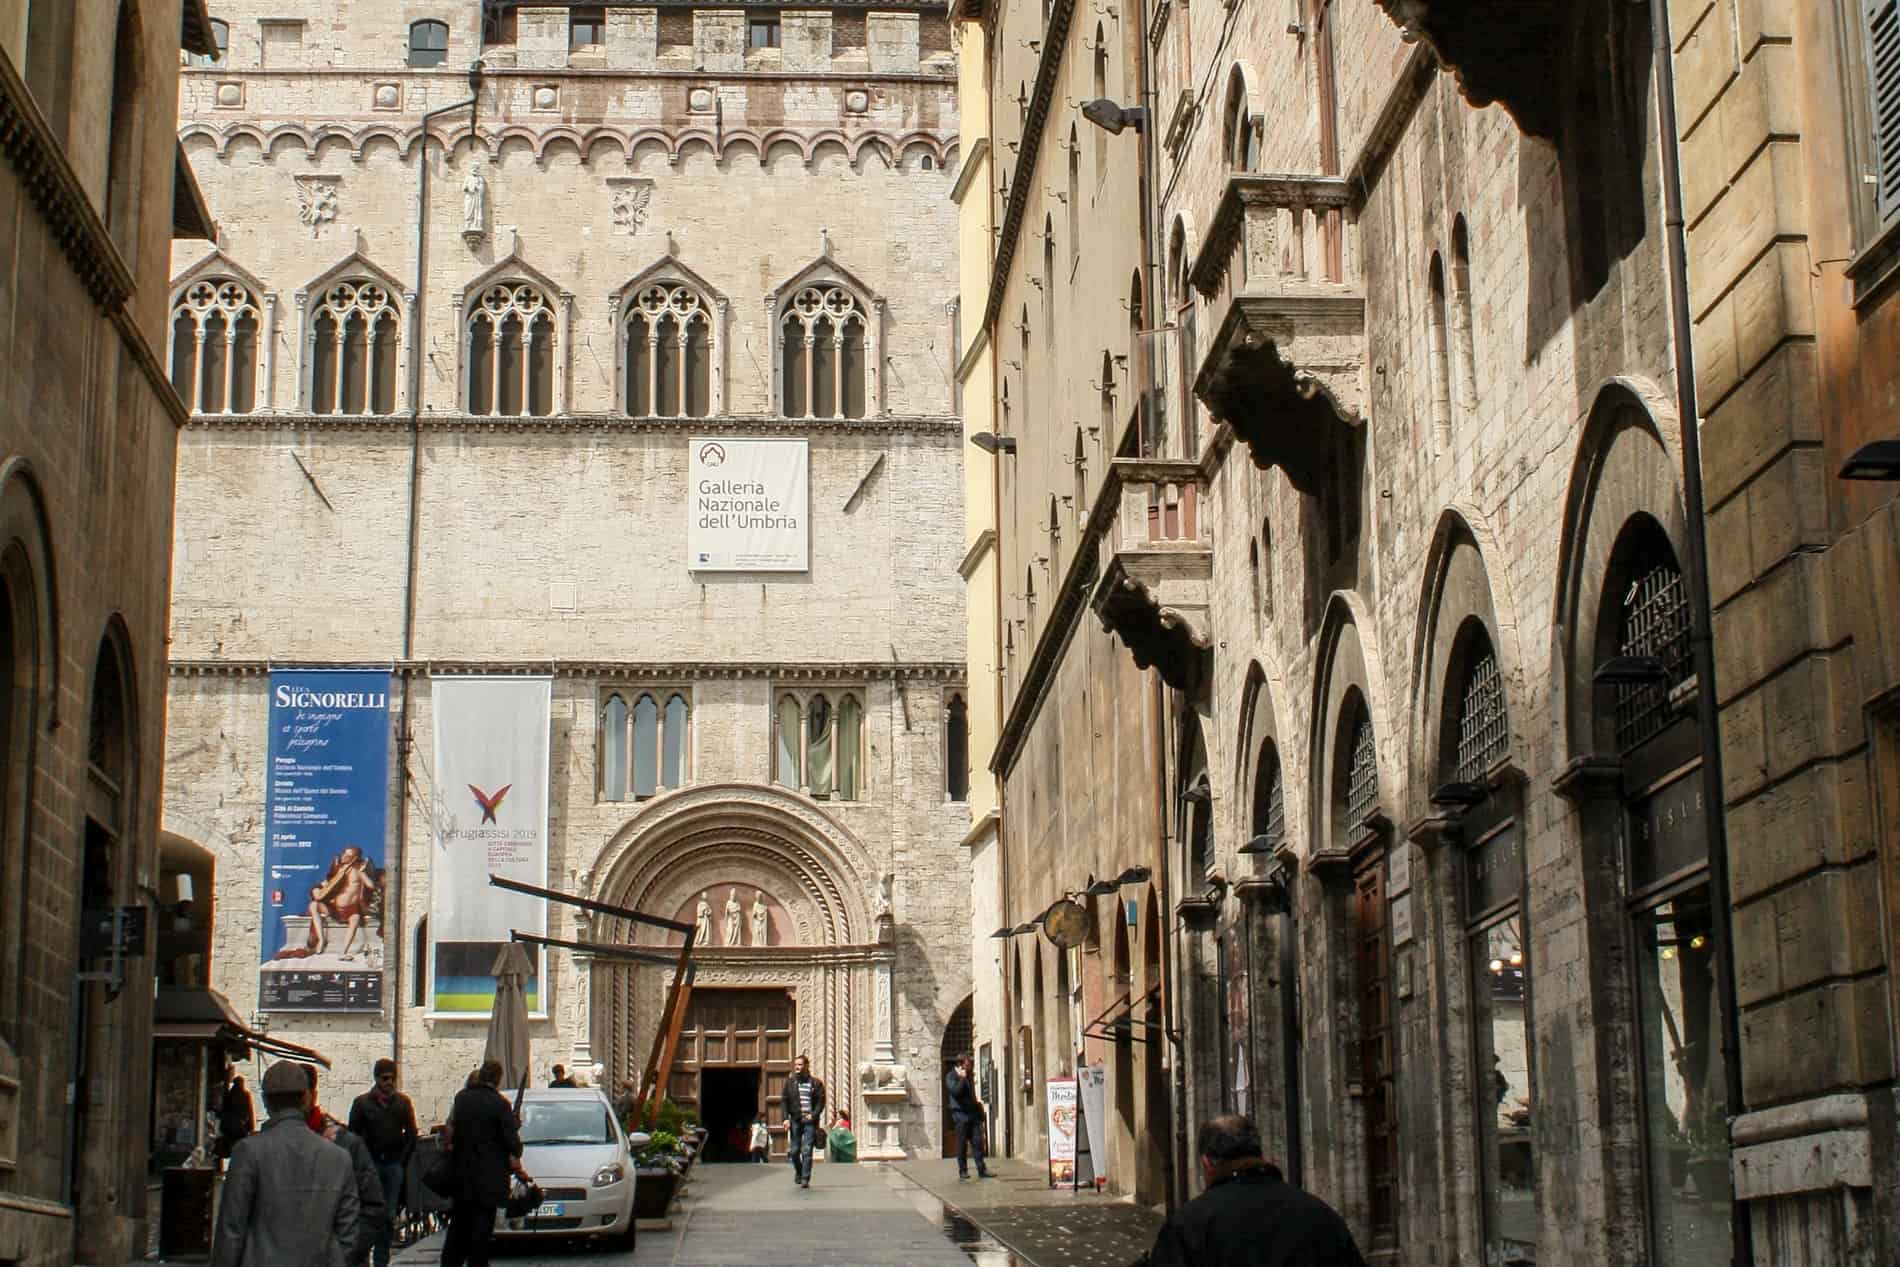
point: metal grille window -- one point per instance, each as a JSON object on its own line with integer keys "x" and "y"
{"x": 1270, "y": 805}
{"x": 1655, "y": 623}
{"x": 1362, "y": 782}
{"x": 1484, "y": 732}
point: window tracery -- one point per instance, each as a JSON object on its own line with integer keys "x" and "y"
{"x": 215, "y": 325}
{"x": 826, "y": 369}
{"x": 669, "y": 353}
{"x": 818, "y": 744}
{"x": 644, "y": 743}
{"x": 510, "y": 352}
{"x": 354, "y": 338}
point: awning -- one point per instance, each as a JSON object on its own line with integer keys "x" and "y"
{"x": 195, "y": 1014}
{"x": 1117, "y": 1021}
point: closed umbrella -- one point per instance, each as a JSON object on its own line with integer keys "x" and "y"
{"x": 508, "y": 1023}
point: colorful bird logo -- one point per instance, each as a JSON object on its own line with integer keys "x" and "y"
{"x": 489, "y": 801}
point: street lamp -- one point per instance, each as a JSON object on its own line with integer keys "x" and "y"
{"x": 991, "y": 443}
{"x": 1877, "y": 461}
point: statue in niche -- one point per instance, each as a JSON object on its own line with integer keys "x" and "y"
{"x": 733, "y": 913}
{"x": 761, "y": 919}
{"x": 702, "y": 920}
{"x": 475, "y": 200}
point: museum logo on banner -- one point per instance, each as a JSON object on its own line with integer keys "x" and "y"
{"x": 748, "y": 505}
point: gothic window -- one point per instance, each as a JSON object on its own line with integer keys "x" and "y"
{"x": 956, "y": 747}
{"x": 221, "y": 33}
{"x": 645, "y": 741}
{"x": 1075, "y": 199}
{"x": 1484, "y": 731}
{"x": 1265, "y": 600}
{"x": 353, "y": 350}
{"x": 1438, "y": 340}
{"x": 215, "y": 346}
{"x": 1100, "y": 80}
{"x": 1362, "y": 774}
{"x": 1253, "y": 577}
{"x": 826, "y": 364}
{"x": 668, "y": 353}
{"x": 1269, "y": 796}
{"x": 1463, "y": 340}
{"x": 511, "y": 352}
{"x": 1655, "y": 622}
{"x": 819, "y": 742}
{"x": 428, "y": 43}
{"x": 1240, "y": 132}
{"x": 1184, "y": 339}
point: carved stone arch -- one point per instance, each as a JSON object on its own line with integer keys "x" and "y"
{"x": 691, "y": 139}
{"x": 738, "y": 139}
{"x": 1624, "y": 468}
{"x": 514, "y": 269}
{"x": 289, "y": 132}
{"x": 656, "y": 137}
{"x": 1243, "y": 91}
{"x": 201, "y": 131}
{"x": 361, "y": 138}
{"x": 552, "y": 136}
{"x": 1261, "y": 723}
{"x": 1459, "y": 589}
{"x": 353, "y": 267}
{"x": 670, "y": 269}
{"x": 1349, "y": 674}
{"x": 530, "y": 140}
{"x": 601, "y": 136}
{"x": 249, "y": 132}
{"x": 832, "y": 865}
{"x": 826, "y": 271}
{"x": 27, "y": 530}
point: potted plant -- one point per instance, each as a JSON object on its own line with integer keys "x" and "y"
{"x": 657, "y": 1170}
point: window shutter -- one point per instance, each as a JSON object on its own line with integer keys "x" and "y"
{"x": 1883, "y": 83}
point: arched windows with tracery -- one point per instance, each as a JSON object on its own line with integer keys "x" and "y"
{"x": 645, "y": 743}
{"x": 215, "y": 327}
{"x": 826, "y": 359}
{"x": 1240, "y": 130}
{"x": 818, "y": 743}
{"x": 354, "y": 336}
{"x": 510, "y": 352}
{"x": 668, "y": 344}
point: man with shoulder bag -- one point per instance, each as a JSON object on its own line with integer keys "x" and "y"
{"x": 484, "y": 1152}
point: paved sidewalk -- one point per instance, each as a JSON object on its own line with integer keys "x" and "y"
{"x": 1040, "y": 1225}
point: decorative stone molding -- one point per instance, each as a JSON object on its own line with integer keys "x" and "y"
{"x": 944, "y": 671}
{"x": 630, "y": 198}
{"x": 385, "y": 96}
{"x": 947, "y": 429}
{"x": 316, "y": 200}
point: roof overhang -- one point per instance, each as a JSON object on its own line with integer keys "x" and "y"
{"x": 194, "y": 33}
{"x": 191, "y": 217}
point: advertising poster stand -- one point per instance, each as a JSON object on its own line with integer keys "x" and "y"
{"x": 1064, "y": 1113}
{"x": 1094, "y": 1105}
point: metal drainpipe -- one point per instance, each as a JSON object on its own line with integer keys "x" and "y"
{"x": 472, "y": 105}
{"x": 1170, "y": 997}
{"x": 1701, "y": 639}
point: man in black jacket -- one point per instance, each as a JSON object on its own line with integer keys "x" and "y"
{"x": 385, "y": 1120}
{"x": 966, "y": 1112}
{"x": 485, "y": 1147}
{"x": 804, "y": 1104}
{"x": 1249, "y": 1216}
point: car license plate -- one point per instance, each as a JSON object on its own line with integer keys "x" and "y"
{"x": 549, "y": 1210}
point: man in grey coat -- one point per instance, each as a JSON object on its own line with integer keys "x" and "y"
{"x": 289, "y": 1195}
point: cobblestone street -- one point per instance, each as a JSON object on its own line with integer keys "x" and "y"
{"x": 863, "y": 1216}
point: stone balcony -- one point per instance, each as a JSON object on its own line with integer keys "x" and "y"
{"x": 1286, "y": 365}
{"x": 1503, "y": 51}
{"x": 1159, "y": 562}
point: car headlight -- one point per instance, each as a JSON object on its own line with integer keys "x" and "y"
{"x": 609, "y": 1175}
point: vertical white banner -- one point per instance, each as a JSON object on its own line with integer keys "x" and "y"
{"x": 491, "y": 817}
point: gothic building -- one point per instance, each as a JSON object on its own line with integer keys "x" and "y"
{"x": 491, "y": 270}
{"x": 93, "y": 191}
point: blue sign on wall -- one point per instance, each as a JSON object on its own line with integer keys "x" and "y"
{"x": 326, "y": 816}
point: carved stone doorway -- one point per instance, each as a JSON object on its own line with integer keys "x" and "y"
{"x": 727, "y": 1031}
{"x": 957, "y": 1037}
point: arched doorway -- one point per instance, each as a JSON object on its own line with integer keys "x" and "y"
{"x": 957, "y": 1037}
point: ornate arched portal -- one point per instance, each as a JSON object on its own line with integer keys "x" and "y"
{"x": 795, "y": 955}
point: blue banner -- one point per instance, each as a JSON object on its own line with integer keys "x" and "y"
{"x": 326, "y": 823}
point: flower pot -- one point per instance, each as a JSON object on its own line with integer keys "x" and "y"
{"x": 653, "y": 1191}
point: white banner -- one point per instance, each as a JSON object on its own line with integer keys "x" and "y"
{"x": 748, "y": 505}
{"x": 491, "y": 816}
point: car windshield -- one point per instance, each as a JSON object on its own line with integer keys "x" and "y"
{"x": 571, "y": 1122}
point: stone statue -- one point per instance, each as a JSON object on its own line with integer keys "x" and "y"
{"x": 702, "y": 919}
{"x": 733, "y": 924}
{"x": 761, "y": 920}
{"x": 475, "y": 201}
{"x": 885, "y": 883}
{"x": 881, "y": 1024}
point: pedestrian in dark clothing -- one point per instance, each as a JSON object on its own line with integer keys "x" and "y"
{"x": 1249, "y": 1215}
{"x": 384, "y": 1119}
{"x": 235, "y": 1117}
{"x": 804, "y": 1109}
{"x": 966, "y": 1114}
{"x": 372, "y": 1208}
{"x": 486, "y": 1149}
{"x": 561, "y": 1078}
{"x": 289, "y": 1198}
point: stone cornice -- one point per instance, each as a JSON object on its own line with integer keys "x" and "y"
{"x": 1055, "y": 38}
{"x": 584, "y": 424}
{"x": 947, "y": 671}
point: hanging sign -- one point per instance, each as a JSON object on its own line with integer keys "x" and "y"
{"x": 1061, "y": 1097}
{"x": 748, "y": 504}
{"x": 491, "y": 818}
{"x": 326, "y": 815}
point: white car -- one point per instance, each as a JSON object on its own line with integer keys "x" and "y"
{"x": 583, "y": 1163}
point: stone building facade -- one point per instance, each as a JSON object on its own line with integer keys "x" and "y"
{"x": 92, "y": 194}
{"x": 666, "y": 222}
{"x": 1372, "y": 637}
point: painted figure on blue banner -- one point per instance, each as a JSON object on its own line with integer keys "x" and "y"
{"x": 344, "y": 897}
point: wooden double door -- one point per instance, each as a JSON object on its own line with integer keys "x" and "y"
{"x": 734, "y": 1055}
